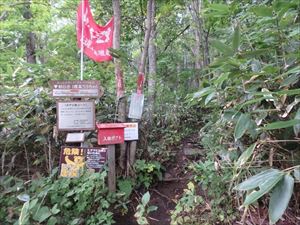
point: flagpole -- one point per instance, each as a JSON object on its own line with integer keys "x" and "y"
{"x": 81, "y": 47}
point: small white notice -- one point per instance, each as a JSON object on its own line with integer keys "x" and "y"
{"x": 76, "y": 115}
{"x": 131, "y": 131}
{"x": 136, "y": 106}
{"x": 75, "y": 137}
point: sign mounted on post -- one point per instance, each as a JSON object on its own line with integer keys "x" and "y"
{"x": 73, "y": 160}
{"x": 75, "y": 138}
{"x": 136, "y": 106}
{"x": 131, "y": 131}
{"x": 110, "y": 133}
{"x": 76, "y": 88}
{"x": 75, "y": 115}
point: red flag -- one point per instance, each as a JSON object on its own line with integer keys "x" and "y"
{"x": 96, "y": 39}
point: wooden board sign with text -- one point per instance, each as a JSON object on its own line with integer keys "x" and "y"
{"x": 75, "y": 115}
{"x": 76, "y": 88}
{"x": 73, "y": 160}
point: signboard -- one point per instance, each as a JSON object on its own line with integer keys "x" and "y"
{"x": 75, "y": 137}
{"x": 76, "y": 88}
{"x": 73, "y": 160}
{"x": 110, "y": 133}
{"x": 131, "y": 131}
{"x": 136, "y": 106}
{"x": 75, "y": 115}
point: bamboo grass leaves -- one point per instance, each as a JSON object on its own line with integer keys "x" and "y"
{"x": 278, "y": 183}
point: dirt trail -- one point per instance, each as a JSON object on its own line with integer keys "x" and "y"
{"x": 165, "y": 193}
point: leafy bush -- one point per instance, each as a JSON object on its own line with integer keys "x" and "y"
{"x": 60, "y": 201}
{"x": 187, "y": 209}
{"x": 147, "y": 172}
{"x": 143, "y": 209}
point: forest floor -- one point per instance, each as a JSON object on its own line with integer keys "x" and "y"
{"x": 166, "y": 192}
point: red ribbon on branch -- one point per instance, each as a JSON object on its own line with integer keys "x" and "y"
{"x": 96, "y": 39}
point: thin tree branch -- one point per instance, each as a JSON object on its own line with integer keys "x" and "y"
{"x": 173, "y": 39}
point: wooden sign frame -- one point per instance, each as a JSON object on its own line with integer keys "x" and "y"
{"x": 90, "y": 116}
{"x": 76, "y": 88}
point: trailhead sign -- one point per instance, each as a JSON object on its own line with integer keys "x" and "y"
{"x": 76, "y": 88}
{"x": 76, "y": 115}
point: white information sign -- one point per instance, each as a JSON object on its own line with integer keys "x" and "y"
{"x": 75, "y": 137}
{"x": 136, "y": 106}
{"x": 131, "y": 131}
{"x": 76, "y": 115}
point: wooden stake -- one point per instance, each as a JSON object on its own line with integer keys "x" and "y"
{"x": 112, "y": 168}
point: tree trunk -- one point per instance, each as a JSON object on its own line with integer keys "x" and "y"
{"x": 147, "y": 37}
{"x": 31, "y": 38}
{"x": 206, "y": 49}
{"x": 195, "y": 11}
{"x": 152, "y": 67}
{"x": 141, "y": 68}
{"x": 120, "y": 87}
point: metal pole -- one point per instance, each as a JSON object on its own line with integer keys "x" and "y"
{"x": 81, "y": 47}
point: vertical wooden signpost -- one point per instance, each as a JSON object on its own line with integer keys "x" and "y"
{"x": 79, "y": 115}
{"x": 111, "y": 134}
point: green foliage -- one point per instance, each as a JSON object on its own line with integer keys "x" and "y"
{"x": 147, "y": 172}
{"x": 251, "y": 89}
{"x": 143, "y": 209}
{"x": 59, "y": 201}
{"x": 214, "y": 180}
{"x": 187, "y": 209}
{"x": 280, "y": 186}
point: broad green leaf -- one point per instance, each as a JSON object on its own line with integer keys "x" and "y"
{"x": 258, "y": 179}
{"x": 297, "y": 173}
{"x": 283, "y": 92}
{"x": 252, "y": 101}
{"x": 33, "y": 203}
{"x": 42, "y": 214}
{"x": 264, "y": 188}
{"x": 254, "y": 53}
{"x": 151, "y": 208}
{"x": 263, "y": 11}
{"x": 24, "y": 215}
{"x": 296, "y": 127}
{"x": 146, "y": 198}
{"x": 219, "y": 81}
{"x": 245, "y": 155}
{"x": 209, "y": 97}
{"x": 241, "y": 126}
{"x": 52, "y": 221}
{"x": 219, "y": 7}
{"x": 203, "y": 92}
{"x": 125, "y": 186}
{"x": 280, "y": 198}
{"x": 231, "y": 115}
{"x": 288, "y": 92}
{"x": 236, "y": 38}
{"x": 221, "y": 47}
{"x": 282, "y": 124}
{"x": 290, "y": 80}
{"x": 142, "y": 221}
{"x": 75, "y": 221}
{"x": 55, "y": 209}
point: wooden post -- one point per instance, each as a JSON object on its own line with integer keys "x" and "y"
{"x": 111, "y": 168}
